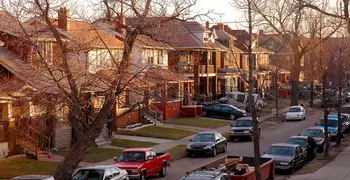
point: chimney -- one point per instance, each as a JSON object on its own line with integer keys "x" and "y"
{"x": 118, "y": 22}
{"x": 63, "y": 15}
{"x": 207, "y": 24}
{"x": 261, "y": 32}
{"x": 219, "y": 26}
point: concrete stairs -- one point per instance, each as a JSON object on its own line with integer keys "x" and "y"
{"x": 103, "y": 138}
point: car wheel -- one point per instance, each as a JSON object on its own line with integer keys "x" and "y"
{"x": 232, "y": 117}
{"x": 214, "y": 152}
{"x": 205, "y": 113}
{"x": 225, "y": 148}
{"x": 143, "y": 176}
{"x": 162, "y": 172}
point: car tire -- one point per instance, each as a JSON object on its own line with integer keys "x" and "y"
{"x": 232, "y": 117}
{"x": 162, "y": 172}
{"x": 214, "y": 153}
{"x": 143, "y": 176}
{"x": 225, "y": 148}
{"x": 205, "y": 114}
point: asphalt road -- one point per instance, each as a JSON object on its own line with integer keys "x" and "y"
{"x": 275, "y": 134}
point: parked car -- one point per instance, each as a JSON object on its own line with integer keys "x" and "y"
{"x": 345, "y": 120}
{"x": 332, "y": 126}
{"x": 241, "y": 100}
{"x": 140, "y": 163}
{"x": 302, "y": 141}
{"x": 223, "y": 110}
{"x": 100, "y": 173}
{"x": 35, "y": 177}
{"x": 206, "y": 175}
{"x": 345, "y": 109}
{"x": 295, "y": 113}
{"x": 319, "y": 136}
{"x": 288, "y": 156}
{"x": 242, "y": 128}
{"x": 207, "y": 143}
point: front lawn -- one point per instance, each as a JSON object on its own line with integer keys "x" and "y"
{"x": 126, "y": 143}
{"x": 159, "y": 132}
{"x": 199, "y": 122}
{"x": 19, "y": 167}
{"x": 96, "y": 154}
{"x": 177, "y": 152}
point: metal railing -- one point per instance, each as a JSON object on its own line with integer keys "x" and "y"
{"x": 155, "y": 114}
{"x": 33, "y": 140}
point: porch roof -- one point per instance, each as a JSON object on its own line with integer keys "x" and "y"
{"x": 157, "y": 75}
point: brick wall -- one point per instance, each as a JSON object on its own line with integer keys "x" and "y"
{"x": 170, "y": 110}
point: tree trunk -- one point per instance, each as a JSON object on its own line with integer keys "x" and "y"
{"x": 251, "y": 103}
{"x": 325, "y": 115}
{"x": 276, "y": 91}
{"x": 312, "y": 94}
{"x": 66, "y": 168}
{"x": 295, "y": 71}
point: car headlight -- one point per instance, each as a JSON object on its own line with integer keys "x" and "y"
{"x": 189, "y": 147}
{"x": 207, "y": 147}
{"x": 284, "y": 163}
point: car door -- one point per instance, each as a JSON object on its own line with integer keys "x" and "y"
{"x": 148, "y": 165}
{"x": 220, "y": 141}
{"x": 116, "y": 175}
{"x": 225, "y": 111}
{"x": 216, "y": 110}
{"x": 299, "y": 155}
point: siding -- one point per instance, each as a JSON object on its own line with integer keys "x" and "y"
{"x": 63, "y": 137}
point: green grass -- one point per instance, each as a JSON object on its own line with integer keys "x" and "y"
{"x": 96, "y": 154}
{"x": 126, "y": 143}
{"x": 198, "y": 122}
{"x": 177, "y": 152}
{"x": 159, "y": 132}
{"x": 19, "y": 167}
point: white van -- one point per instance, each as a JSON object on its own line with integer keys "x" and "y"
{"x": 241, "y": 100}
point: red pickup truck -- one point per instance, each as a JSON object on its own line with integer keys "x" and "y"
{"x": 142, "y": 162}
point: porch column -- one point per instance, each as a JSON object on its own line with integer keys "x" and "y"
{"x": 196, "y": 81}
{"x": 165, "y": 100}
{"x": 207, "y": 85}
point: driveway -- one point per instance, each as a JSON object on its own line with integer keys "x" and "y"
{"x": 275, "y": 134}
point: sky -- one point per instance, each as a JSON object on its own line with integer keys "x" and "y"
{"x": 230, "y": 15}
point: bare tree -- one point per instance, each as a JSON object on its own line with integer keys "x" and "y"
{"x": 72, "y": 83}
{"x": 290, "y": 19}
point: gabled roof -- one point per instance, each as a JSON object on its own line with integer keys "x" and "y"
{"x": 194, "y": 26}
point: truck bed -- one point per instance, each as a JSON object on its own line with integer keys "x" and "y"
{"x": 267, "y": 167}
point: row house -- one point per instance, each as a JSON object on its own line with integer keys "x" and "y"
{"x": 238, "y": 44}
{"x": 91, "y": 48}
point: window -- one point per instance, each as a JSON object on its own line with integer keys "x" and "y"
{"x": 160, "y": 57}
{"x": 45, "y": 49}
{"x": 98, "y": 102}
{"x": 100, "y": 59}
{"x": 155, "y": 56}
{"x": 149, "y": 55}
{"x": 241, "y": 98}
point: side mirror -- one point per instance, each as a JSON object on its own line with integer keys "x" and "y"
{"x": 191, "y": 140}
{"x": 217, "y": 140}
{"x": 299, "y": 134}
{"x": 231, "y": 125}
{"x": 116, "y": 173}
{"x": 115, "y": 159}
{"x": 108, "y": 177}
{"x": 264, "y": 152}
{"x": 316, "y": 124}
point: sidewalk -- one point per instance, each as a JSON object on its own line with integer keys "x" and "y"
{"x": 338, "y": 169}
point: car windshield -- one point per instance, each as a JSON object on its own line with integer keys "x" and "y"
{"x": 242, "y": 123}
{"x": 313, "y": 133}
{"x": 333, "y": 123}
{"x": 131, "y": 157}
{"x": 345, "y": 110}
{"x": 204, "y": 138}
{"x": 294, "y": 109}
{"x": 283, "y": 151}
{"x": 90, "y": 174}
{"x": 300, "y": 141}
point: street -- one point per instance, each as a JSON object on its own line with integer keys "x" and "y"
{"x": 275, "y": 134}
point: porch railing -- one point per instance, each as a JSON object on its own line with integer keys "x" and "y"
{"x": 33, "y": 140}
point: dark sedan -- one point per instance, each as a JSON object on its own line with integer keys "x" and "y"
{"x": 207, "y": 143}
{"x": 242, "y": 129}
{"x": 318, "y": 134}
{"x": 302, "y": 141}
{"x": 288, "y": 156}
{"x": 224, "y": 110}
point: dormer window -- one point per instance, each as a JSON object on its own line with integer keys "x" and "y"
{"x": 205, "y": 37}
{"x": 45, "y": 49}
